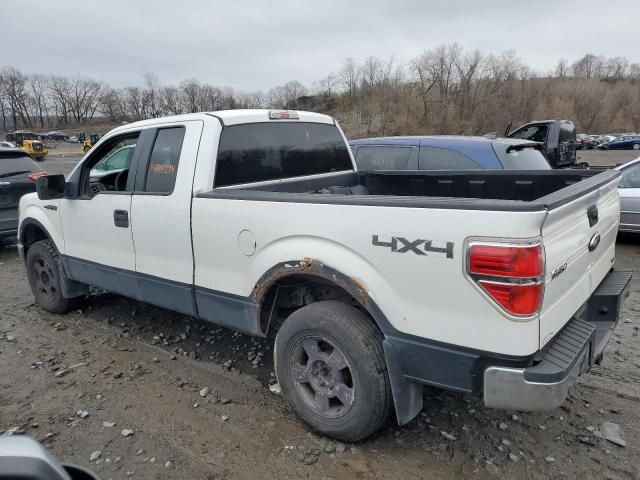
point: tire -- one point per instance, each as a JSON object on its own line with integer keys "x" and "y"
{"x": 86, "y": 149}
{"x": 44, "y": 278}
{"x": 345, "y": 392}
{"x": 636, "y": 146}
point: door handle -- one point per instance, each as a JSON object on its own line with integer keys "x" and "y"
{"x": 121, "y": 218}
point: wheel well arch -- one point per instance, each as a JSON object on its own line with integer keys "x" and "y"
{"x": 294, "y": 284}
{"x": 32, "y": 231}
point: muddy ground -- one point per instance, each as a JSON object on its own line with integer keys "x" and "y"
{"x": 75, "y": 382}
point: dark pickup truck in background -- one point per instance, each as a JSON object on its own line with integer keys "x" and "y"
{"x": 558, "y": 138}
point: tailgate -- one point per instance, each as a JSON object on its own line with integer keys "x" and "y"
{"x": 575, "y": 261}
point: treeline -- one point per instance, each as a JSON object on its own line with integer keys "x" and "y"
{"x": 445, "y": 90}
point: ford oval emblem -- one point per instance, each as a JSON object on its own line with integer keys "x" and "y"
{"x": 594, "y": 242}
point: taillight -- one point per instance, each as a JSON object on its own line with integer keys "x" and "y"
{"x": 505, "y": 261}
{"x": 510, "y": 274}
{"x": 36, "y": 175}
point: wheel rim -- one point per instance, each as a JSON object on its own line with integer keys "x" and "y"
{"x": 43, "y": 278}
{"x": 322, "y": 376}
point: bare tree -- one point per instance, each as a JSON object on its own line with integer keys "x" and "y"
{"x": 38, "y": 86}
{"x": 562, "y": 68}
{"x": 349, "y": 77}
{"x": 191, "y": 95}
{"x": 328, "y": 84}
{"x": 170, "y": 100}
{"x": 150, "y": 100}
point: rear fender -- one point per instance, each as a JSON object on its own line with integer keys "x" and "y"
{"x": 407, "y": 396}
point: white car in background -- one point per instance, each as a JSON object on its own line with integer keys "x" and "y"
{"x": 629, "y": 188}
{"x": 7, "y": 144}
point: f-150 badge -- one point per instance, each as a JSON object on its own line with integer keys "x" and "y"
{"x": 435, "y": 248}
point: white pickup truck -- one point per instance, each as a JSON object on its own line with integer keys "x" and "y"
{"x": 498, "y": 283}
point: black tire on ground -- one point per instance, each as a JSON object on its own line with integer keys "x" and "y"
{"x": 44, "y": 278}
{"x": 330, "y": 365}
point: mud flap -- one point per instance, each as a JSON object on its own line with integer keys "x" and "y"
{"x": 407, "y": 396}
{"x": 70, "y": 288}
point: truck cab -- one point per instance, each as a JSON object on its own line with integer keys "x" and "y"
{"x": 558, "y": 139}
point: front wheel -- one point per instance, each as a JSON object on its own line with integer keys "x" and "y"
{"x": 636, "y": 146}
{"x": 44, "y": 277}
{"x": 330, "y": 365}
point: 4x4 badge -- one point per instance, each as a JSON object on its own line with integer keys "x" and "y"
{"x": 419, "y": 247}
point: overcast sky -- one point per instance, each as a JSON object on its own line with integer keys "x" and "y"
{"x": 253, "y": 45}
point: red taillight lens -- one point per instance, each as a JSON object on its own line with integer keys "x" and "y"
{"x": 505, "y": 261}
{"x": 510, "y": 274}
{"x": 516, "y": 299}
{"x": 36, "y": 175}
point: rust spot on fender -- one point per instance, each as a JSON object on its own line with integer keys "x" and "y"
{"x": 353, "y": 285}
{"x": 307, "y": 266}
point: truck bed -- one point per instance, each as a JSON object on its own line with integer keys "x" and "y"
{"x": 481, "y": 190}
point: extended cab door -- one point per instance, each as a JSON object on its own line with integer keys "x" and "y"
{"x": 161, "y": 216}
{"x": 96, "y": 221}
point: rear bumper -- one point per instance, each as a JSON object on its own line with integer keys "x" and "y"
{"x": 580, "y": 344}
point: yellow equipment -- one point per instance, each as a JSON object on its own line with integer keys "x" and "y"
{"x": 29, "y": 142}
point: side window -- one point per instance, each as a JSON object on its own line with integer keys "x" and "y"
{"x": 107, "y": 168}
{"x": 432, "y": 158}
{"x": 163, "y": 163}
{"x": 535, "y": 133}
{"x": 383, "y": 158}
{"x": 630, "y": 177}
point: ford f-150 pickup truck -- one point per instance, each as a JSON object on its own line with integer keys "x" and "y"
{"x": 496, "y": 283}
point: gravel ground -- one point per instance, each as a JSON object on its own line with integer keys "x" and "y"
{"x": 134, "y": 391}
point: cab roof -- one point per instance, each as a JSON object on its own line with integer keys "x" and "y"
{"x": 233, "y": 117}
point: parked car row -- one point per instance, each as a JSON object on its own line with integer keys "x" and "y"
{"x": 617, "y": 141}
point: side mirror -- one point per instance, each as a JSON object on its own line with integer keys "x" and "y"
{"x": 24, "y": 458}
{"x": 51, "y": 187}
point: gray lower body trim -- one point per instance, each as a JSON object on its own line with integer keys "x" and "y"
{"x": 114, "y": 279}
{"x": 228, "y": 310}
{"x": 168, "y": 294}
{"x": 238, "y": 313}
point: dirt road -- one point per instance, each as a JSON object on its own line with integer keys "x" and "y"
{"x": 130, "y": 381}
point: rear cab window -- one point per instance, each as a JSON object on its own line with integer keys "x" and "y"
{"x": 515, "y": 157}
{"x": 255, "y": 152}
{"x": 372, "y": 157}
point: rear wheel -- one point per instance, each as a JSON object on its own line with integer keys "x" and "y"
{"x": 86, "y": 149}
{"x": 636, "y": 146}
{"x": 330, "y": 365}
{"x": 44, "y": 277}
